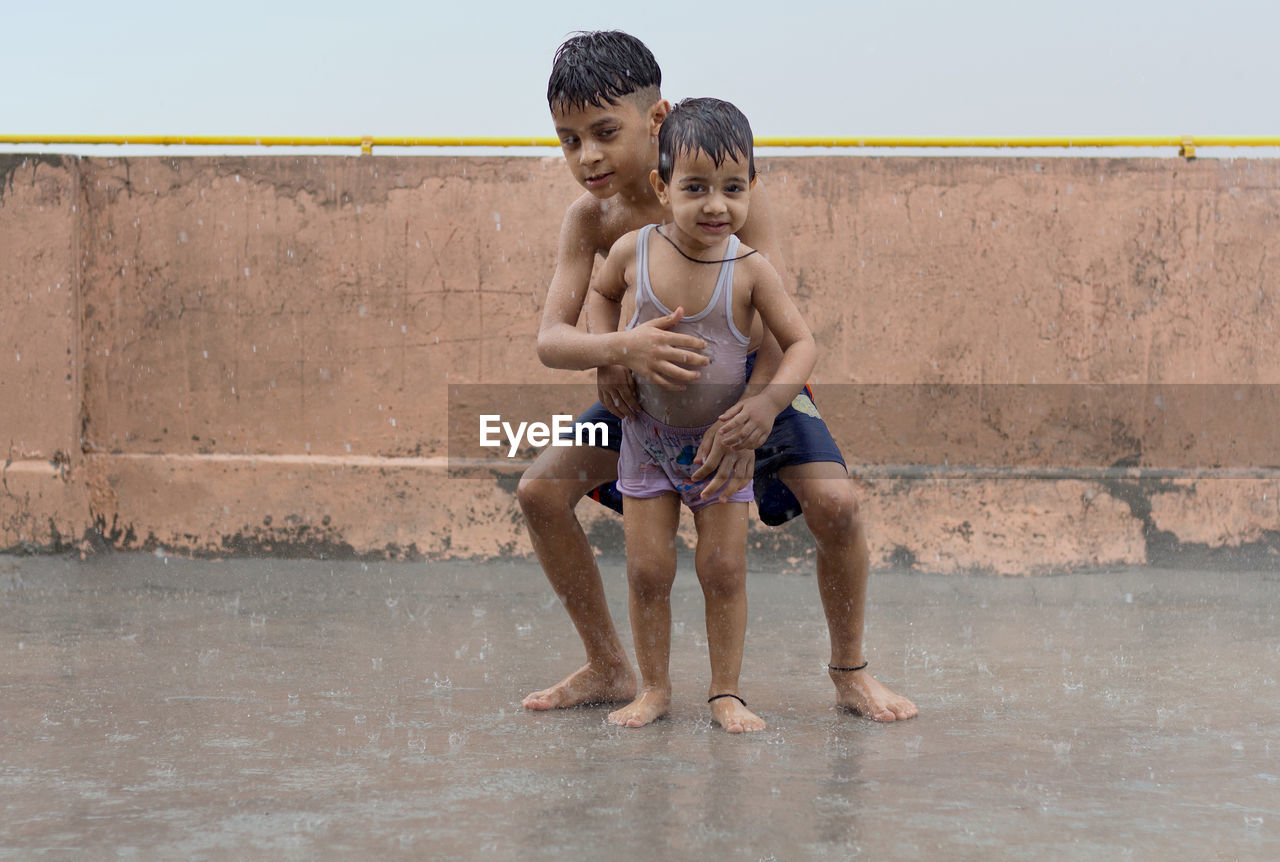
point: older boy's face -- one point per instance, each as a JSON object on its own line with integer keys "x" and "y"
{"x": 708, "y": 201}
{"x": 607, "y": 149}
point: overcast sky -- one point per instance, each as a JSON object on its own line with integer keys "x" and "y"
{"x": 385, "y": 67}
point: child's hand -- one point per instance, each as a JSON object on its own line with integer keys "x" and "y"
{"x": 667, "y": 359}
{"x": 730, "y": 470}
{"x": 616, "y": 389}
{"x": 747, "y": 424}
{"x": 735, "y": 470}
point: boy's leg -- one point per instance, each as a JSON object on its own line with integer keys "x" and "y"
{"x": 650, "y": 525}
{"x": 548, "y": 492}
{"x": 722, "y": 570}
{"x": 825, "y": 494}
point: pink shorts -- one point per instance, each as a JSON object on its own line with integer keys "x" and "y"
{"x": 655, "y": 459}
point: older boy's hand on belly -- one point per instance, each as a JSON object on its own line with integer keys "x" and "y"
{"x": 666, "y": 359}
{"x": 616, "y": 389}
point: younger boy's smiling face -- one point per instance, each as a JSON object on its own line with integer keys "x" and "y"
{"x": 609, "y": 149}
{"x": 708, "y": 202}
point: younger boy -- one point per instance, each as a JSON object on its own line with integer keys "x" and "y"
{"x": 605, "y": 100}
{"x": 694, "y": 261}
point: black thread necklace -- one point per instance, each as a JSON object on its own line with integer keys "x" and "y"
{"x": 694, "y": 259}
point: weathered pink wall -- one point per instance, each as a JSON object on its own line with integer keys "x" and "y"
{"x": 43, "y": 502}
{"x": 238, "y": 355}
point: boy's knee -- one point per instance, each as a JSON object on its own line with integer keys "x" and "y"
{"x": 530, "y": 494}
{"x": 538, "y": 497}
{"x": 650, "y": 579}
{"x": 831, "y": 510}
{"x": 721, "y": 572}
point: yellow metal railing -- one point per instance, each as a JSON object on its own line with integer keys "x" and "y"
{"x": 1186, "y": 144}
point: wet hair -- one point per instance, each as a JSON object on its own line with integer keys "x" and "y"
{"x": 592, "y": 68}
{"x": 709, "y": 126}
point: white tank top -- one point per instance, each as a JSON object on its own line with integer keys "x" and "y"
{"x": 722, "y": 381}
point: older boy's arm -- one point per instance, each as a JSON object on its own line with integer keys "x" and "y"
{"x": 560, "y": 343}
{"x": 615, "y": 386}
{"x": 649, "y": 350}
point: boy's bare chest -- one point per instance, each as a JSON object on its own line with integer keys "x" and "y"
{"x": 618, "y": 221}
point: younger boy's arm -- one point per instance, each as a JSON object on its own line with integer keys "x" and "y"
{"x": 759, "y": 233}
{"x": 649, "y": 350}
{"x": 715, "y": 454}
{"x": 752, "y": 417}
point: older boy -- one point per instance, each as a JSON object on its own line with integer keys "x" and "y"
{"x": 605, "y": 99}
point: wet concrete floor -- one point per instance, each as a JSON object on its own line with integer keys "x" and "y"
{"x": 159, "y": 708}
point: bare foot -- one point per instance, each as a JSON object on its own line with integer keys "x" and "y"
{"x": 586, "y": 685}
{"x": 733, "y": 715}
{"x": 650, "y": 706}
{"x": 860, "y": 692}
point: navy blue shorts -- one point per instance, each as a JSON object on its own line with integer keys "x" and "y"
{"x": 799, "y": 436}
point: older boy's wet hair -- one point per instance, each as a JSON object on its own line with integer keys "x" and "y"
{"x": 708, "y": 126}
{"x": 603, "y": 67}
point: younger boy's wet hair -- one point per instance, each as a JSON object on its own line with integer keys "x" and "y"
{"x": 709, "y": 126}
{"x": 602, "y": 66}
